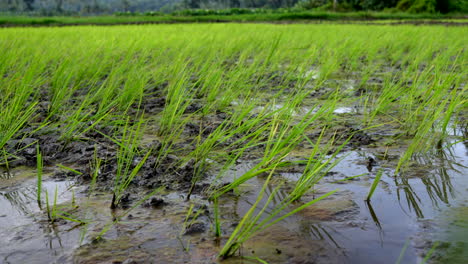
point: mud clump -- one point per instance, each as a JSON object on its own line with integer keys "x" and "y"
{"x": 361, "y": 139}
{"x": 155, "y": 202}
{"x": 195, "y": 228}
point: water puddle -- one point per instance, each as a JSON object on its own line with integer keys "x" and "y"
{"x": 405, "y": 207}
{"x": 26, "y": 236}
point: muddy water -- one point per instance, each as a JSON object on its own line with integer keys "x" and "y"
{"x": 26, "y": 235}
{"x": 408, "y": 214}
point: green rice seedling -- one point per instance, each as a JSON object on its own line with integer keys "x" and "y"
{"x": 178, "y": 99}
{"x": 69, "y": 169}
{"x": 317, "y": 166}
{"x": 5, "y": 159}
{"x": 54, "y": 211}
{"x": 40, "y": 166}
{"x": 51, "y": 211}
{"x": 190, "y": 219}
{"x": 73, "y": 201}
{"x": 256, "y": 259}
{"x": 430, "y": 252}
{"x": 96, "y": 166}
{"x": 216, "y": 218}
{"x": 374, "y": 184}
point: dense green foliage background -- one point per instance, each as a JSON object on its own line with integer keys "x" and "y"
{"x": 54, "y": 7}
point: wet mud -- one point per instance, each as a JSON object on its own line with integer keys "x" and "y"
{"x": 341, "y": 229}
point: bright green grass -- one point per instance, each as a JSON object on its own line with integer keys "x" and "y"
{"x": 276, "y": 84}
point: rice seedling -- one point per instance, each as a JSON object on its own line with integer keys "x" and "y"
{"x": 430, "y": 252}
{"x": 55, "y": 211}
{"x": 39, "y": 175}
{"x": 374, "y": 184}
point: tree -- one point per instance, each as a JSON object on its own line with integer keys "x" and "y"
{"x": 126, "y": 5}
{"x": 29, "y": 5}
{"x": 58, "y": 6}
{"x": 191, "y": 4}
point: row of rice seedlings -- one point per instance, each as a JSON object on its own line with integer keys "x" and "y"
{"x": 16, "y": 109}
{"x": 343, "y": 51}
{"x": 280, "y": 46}
{"x": 424, "y": 107}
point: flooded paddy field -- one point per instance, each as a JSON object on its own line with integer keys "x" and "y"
{"x": 234, "y": 144}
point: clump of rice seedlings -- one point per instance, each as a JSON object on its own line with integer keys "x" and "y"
{"x": 83, "y": 120}
{"x": 126, "y": 156}
{"x": 241, "y": 123}
{"x": 55, "y": 211}
{"x": 431, "y": 130}
{"x": 255, "y": 220}
{"x": 15, "y": 112}
{"x": 179, "y": 97}
{"x": 318, "y": 164}
{"x": 284, "y": 135}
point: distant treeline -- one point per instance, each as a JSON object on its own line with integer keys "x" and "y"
{"x": 199, "y": 7}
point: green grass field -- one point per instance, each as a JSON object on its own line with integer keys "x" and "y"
{"x": 191, "y": 100}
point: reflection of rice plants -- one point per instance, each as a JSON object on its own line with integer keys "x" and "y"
{"x": 19, "y": 199}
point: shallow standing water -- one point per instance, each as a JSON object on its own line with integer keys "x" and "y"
{"x": 406, "y": 216}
